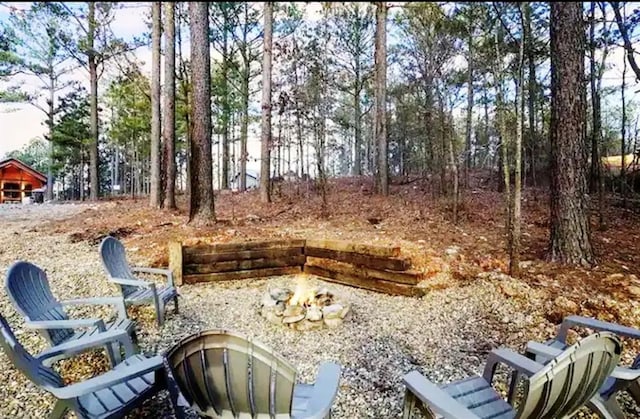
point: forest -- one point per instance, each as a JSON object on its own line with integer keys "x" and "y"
{"x": 448, "y": 93}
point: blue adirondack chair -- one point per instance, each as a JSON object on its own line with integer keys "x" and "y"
{"x": 28, "y": 289}
{"x": 134, "y": 290}
{"x": 109, "y": 395}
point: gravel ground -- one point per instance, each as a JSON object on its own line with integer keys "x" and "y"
{"x": 445, "y": 335}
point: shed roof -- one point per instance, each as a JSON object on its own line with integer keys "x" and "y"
{"x": 23, "y": 166}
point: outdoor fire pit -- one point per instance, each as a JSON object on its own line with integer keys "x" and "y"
{"x": 305, "y": 308}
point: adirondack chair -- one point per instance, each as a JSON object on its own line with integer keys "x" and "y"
{"x": 28, "y": 289}
{"x": 223, "y": 374}
{"x": 134, "y": 290}
{"x": 621, "y": 379}
{"x": 109, "y": 395}
{"x": 555, "y": 390}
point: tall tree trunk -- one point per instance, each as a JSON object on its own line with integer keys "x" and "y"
{"x": 514, "y": 251}
{"x": 155, "y": 197}
{"x": 298, "y": 111}
{"x": 623, "y": 136}
{"x": 226, "y": 110}
{"x": 531, "y": 93}
{"x": 502, "y": 131}
{"x": 169, "y": 122}
{"x": 380, "y": 93}
{"x": 357, "y": 139}
{"x": 244, "y": 117}
{"x": 93, "y": 93}
{"x": 265, "y": 154}
{"x": 50, "y": 123}
{"x": 468, "y": 157}
{"x": 570, "y": 239}
{"x": 201, "y": 209}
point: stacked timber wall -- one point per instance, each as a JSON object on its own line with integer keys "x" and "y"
{"x": 377, "y": 268}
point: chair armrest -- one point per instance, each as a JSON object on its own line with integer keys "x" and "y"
{"x": 80, "y": 345}
{"x": 546, "y": 352}
{"x": 66, "y": 324}
{"x": 514, "y": 360}
{"x": 118, "y": 302}
{"x": 324, "y": 391}
{"x": 108, "y": 379}
{"x": 626, "y": 374}
{"x": 597, "y": 325}
{"x": 155, "y": 271}
{"x": 130, "y": 282}
{"x": 435, "y": 398}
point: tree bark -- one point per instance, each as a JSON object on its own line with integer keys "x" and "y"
{"x": 531, "y": 94}
{"x": 514, "y": 251}
{"x": 265, "y": 154}
{"x": 93, "y": 80}
{"x": 380, "y": 92}
{"x": 155, "y": 198}
{"x": 201, "y": 208}
{"x": 570, "y": 238}
{"x": 169, "y": 122}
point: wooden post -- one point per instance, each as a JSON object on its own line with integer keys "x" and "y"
{"x": 175, "y": 261}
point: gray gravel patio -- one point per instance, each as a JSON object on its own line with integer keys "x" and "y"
{"x": 445, "y": 334}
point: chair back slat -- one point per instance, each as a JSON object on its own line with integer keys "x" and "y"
{"x": 220, "y": 372}
{"x": 114, "y": 261}
{"x": 28, "y": 289}
{"x": 568, "y": 382}
{"x": 23, "y": 361}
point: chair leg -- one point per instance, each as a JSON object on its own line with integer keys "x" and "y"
{"x": 409, "y": 404}
{"x": 160, "y": 313}
{"x": 607, "y": 409}
{"x": 59, "y": 410}
{"x": 175, "y": 303}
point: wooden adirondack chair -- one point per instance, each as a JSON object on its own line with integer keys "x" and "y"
{"x": 110, "y": 395}
{"x": 223, "y": 374}
{"x": 134, "y": 290}
{"x": 555, "y": 390}
{"x": 28, "y": 289}
{"x": 621, "y": 379}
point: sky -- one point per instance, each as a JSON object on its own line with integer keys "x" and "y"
{"x": 19, "y": 123}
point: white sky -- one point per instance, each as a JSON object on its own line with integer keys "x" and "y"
{"x": 19, "y": 123}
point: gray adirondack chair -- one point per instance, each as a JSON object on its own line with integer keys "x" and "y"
{"x": 28, "y": 289}
{"x": 134, "y": 290}
{"x": 555, "y": 390}
{"x": 223, "y": 374}
{"x": 109, "y": 395}
{"x": 621, "y": 379}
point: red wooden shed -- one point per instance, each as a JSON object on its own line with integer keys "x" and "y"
{"x": 17, "y": 180}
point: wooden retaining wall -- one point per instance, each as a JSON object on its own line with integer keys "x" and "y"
{"x": 376, "y": 268}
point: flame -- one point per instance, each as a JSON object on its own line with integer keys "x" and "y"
{"x": 303, "y": 295}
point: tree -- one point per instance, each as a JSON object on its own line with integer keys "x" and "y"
{"x": 92, "y": 43}
{"x": 570, "y": 238}
{"x": 201, "y": 208}
{"x": 354, "y": 27}
{"x": 265, "y": 154}
{"x": 155, "y": 197}
{"x": 169, "y": 121}
{"x": 9, "y": 63}
{"x": 382, "y": 172}
{"x": 35, "y": 153}
{"x": 38, "y": 31}
{"x": 628, "y": 46}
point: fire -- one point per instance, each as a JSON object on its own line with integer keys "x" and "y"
{"x": 303, "y": 294}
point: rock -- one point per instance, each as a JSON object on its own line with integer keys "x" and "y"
{"x": 271, "y": 316}
{"x": 281, "y": 294}
{"x": 305, "y": 325}
{"x": 525, "y": 264}
{"x": 292, "y": 311}
{"x": 333, "y": 322}
{"x": 452, "y": 251}
{"x": 333, "y": 311}
{"x": 346, "y": 309}
{"x": 314, "y": 314}
{"x": 562, "y": 307}
{"x": 268, "y": 301}
{"x": 292, "y": 319}
{"x": 634, "y": 290}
